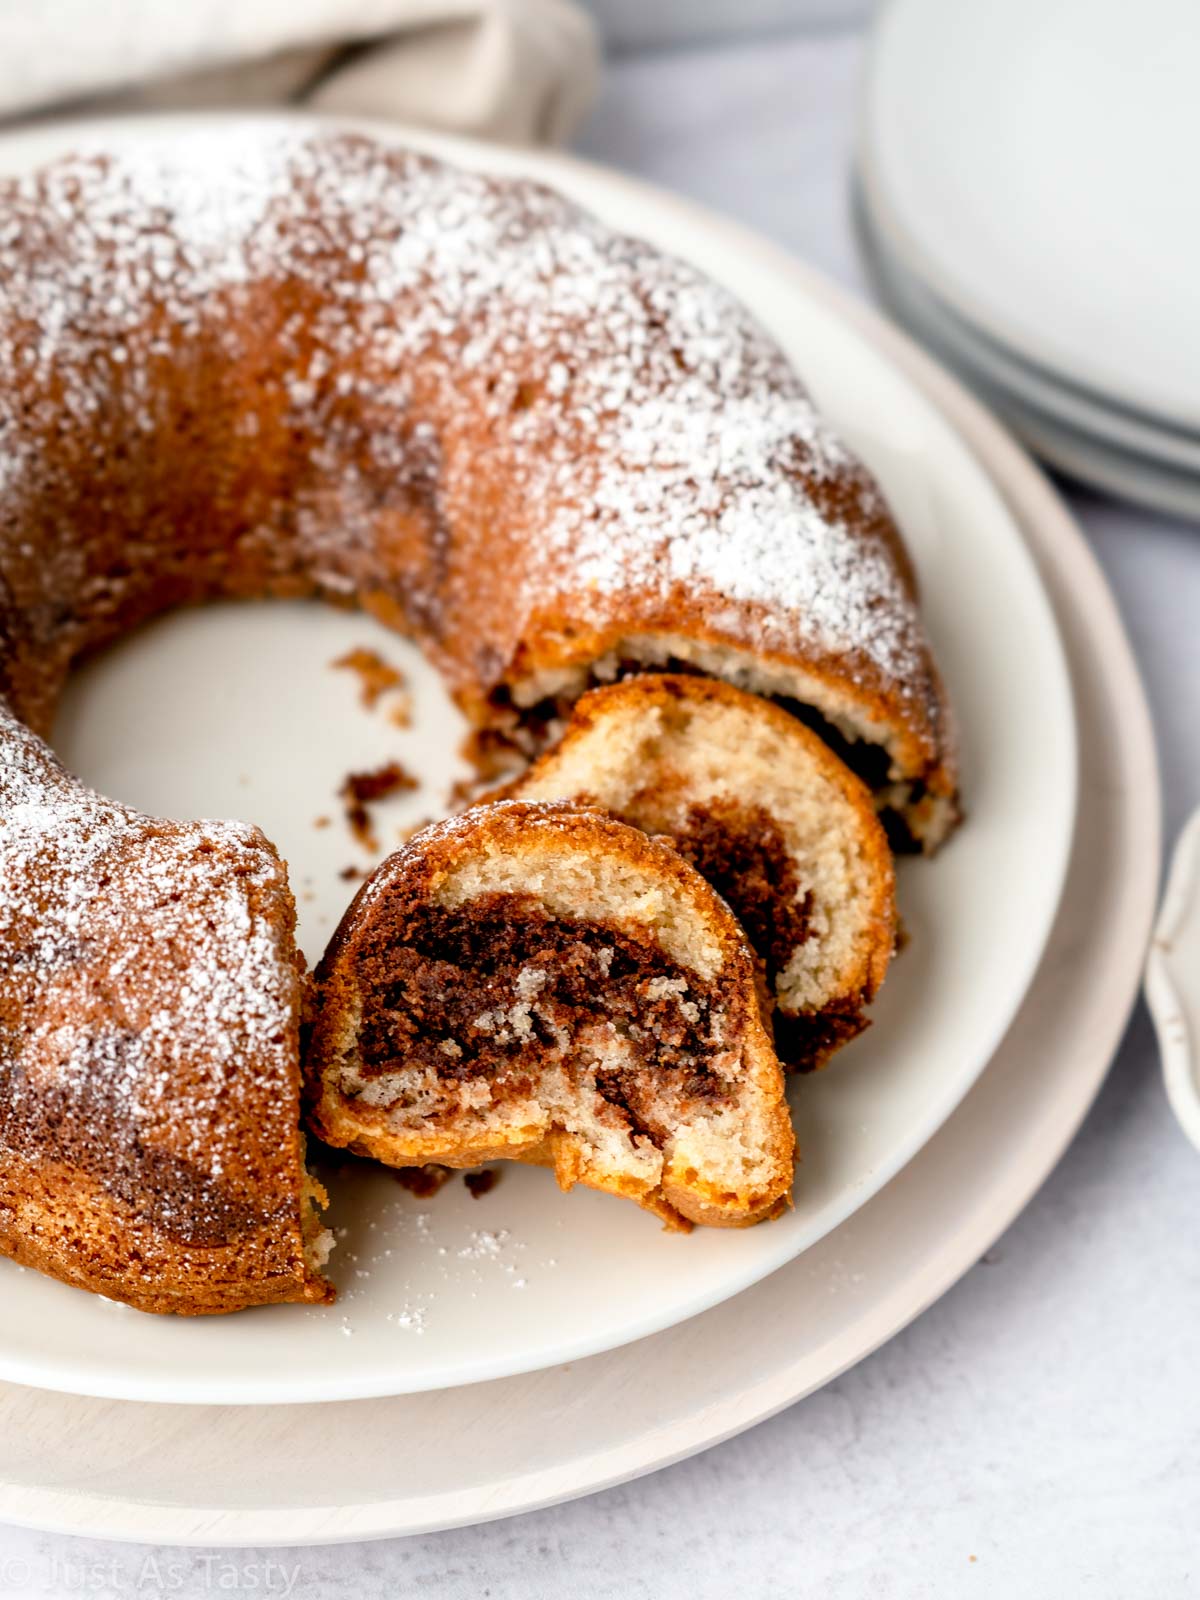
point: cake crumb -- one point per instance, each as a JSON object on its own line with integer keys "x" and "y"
{"x": 375, "y": 675}
{"x": 422, "y": 1181}
{"x": 362, "y": 789}
{"x": 391, "y": 778}
{"x": 481, "y": 1183}
{"x": 320, "y": 822}
{"x": 348, "y": 874}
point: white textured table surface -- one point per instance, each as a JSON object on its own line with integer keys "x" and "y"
{"x": 1037, "y": 1433}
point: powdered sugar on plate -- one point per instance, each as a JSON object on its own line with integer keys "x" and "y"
{"x": 392, "y": 1260}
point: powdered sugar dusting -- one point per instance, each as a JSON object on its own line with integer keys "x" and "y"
{"x": 150, "y": 993}
{"x": 656, "y": 431}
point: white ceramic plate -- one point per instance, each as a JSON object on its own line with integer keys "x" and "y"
{"x": 1110, "y": 450}
{"x": 1034, "y": 163}
{"x": 445, "y": 1292}
{"x": 314, "y": 1474}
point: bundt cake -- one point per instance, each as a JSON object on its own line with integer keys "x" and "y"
{"x": 768, "y": 815}
{"x": 543, "y": 983}
{"x": 248, "y": 362}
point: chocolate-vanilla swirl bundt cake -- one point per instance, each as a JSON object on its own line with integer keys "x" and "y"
{"x": 543, "y": 983}
{"x": 249, "y": 362}
{"x": 771, "y": 818}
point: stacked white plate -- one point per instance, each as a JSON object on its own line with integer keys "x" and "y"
{"x": 1026, "y": 200}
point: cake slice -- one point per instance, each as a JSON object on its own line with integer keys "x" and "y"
{"x": 772, "y": 818}
{"x": 543, "y": 983}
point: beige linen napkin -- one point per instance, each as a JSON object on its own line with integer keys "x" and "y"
{"x": 518, "y": 70}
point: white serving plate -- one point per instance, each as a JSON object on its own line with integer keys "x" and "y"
{"x": 1111, "y": 450}
{"x": 1033, "y": 162}
{"x": 446, "y": 1292}
{"x": 317, "y": 1474}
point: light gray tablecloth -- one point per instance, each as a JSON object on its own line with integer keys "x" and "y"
{"x": 1037, "y": 1433}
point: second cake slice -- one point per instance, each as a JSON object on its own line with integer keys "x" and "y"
{"x": 771, "y": 817}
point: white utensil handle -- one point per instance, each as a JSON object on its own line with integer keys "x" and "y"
{"x": 1173, "y": 981}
